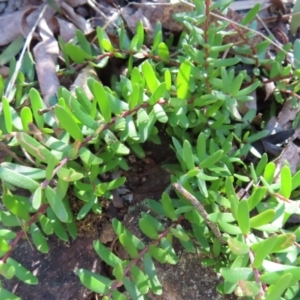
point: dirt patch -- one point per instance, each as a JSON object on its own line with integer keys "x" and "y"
{"x": 56, "y": 270}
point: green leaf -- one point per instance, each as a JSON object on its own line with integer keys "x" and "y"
{"x": 286, "y": 182}
{"x": 276, "y": 290}
{"x": 34, "y": 148}
{"x": 180, "y": 233}
{"x": 18, "y": 208}
{"x": 26, "y": 117}
{"x": 157, "y": 253}
{"x": 296, "y": 181}
{"x": 86, "y": 207}
{"x": 38, "y": 239}
{"x": 160, "y": 113}
{"x": 150, "y": 271}
{"x": 4, "y": 246}
{"x": 264, "y": 250}
{"x": 263, "y": 218}
{"x": 77, "y": 54}
{"x": 8, "y": 219}
{"x": 18, "y": 179}
{"x": 68, "y": 123}
{"x": 211, "y": 160}
{"x": 103, "y": 100}
{"x": 11, "y": 50}
{"x": 272, "y": 277}
{"x": 256, "y": 197}
{"x": 69, "y": 175}
{"x": 147, "y": 228}
{"x": 269, "y": 172}
{"x": 237, "y": 247}
{"x": 188, "y": 155}
{"x": 139, "y": 34}
{"x": 120, "y": 229}
{"x": 89, "y": 158}
{"x": 150, "y": 76}
{"x": 134, "y": 97}
{"x": 46, "y": 224}
{"x": 33, "y": 173}
{"x": 106, "y": 254}
{"x": 117, "y": 296}
{"x": 85, "y": 45}
{"x": 296, "y": 44}
{"x": 158, "y": 93}
{"x": 94, "y": 282}
{"x": 140, "y": 279}
{"x": 7, "y": 234}
{"x": 295, "y": 20}
{"x": 128, "y": 245}
{"x": 259, "y": 169}
{"x": 132, "y": 289}
{"x": 7, "y": 114}
{"x": 236, "y": 84}
{"x": 251, "y": 14}
{"x": 168, "y": 79}
{"x": 22, "y": 273}
{"x": 56, "y": 204}
{"x": 233, "y": 275}
{"x": 248, "y": 90}
{"x": 284, "y": 241}
{"x": 114, "y": 144}
{"x": 118, "y": 272}
{"x": 107, "y": 45}
{"x": 163, "y": 51}
{"x": 79, "y": 112}
{"x": 6, "y": 295}
{"x": 7, "y": 271}
{"x": 183, "y": 79}
{"x": 243, "y": 216}
{"x": 247, "y": 289}
{"x": 58, "y": 228}
{"x": 168, "y": 206}
{"x": 229, "y": 228}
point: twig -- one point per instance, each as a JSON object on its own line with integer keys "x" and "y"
{"x": 200, "y": 208}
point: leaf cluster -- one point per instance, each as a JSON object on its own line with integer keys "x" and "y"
{"x": 69, "y": 148}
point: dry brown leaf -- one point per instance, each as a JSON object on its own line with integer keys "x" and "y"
{"x": 291, "y": 154}
{"x": 10, "y": 25}
{"x": 27, "y": 23}
{"x": 67, "y": 30}
{"x": 78, "y": 20}
{"x": 75, "y": 3}
{"x": 46, "y": 53}
{"x": 81, "y": 80}
{"x": 4, "y": 71}
{"x": 287, "y": 113}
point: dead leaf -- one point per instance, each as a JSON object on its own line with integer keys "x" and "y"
{"x": 81, "y": 80}
{"x": 4, "y": 71}
{"x": 78, "y": 20}
{"x": 10, "y": 25}
{"x": 290, "y": 154}
{"x": 67, "y": 30}
{"x": 46, "y": 53}
{"x": 75, "y": 3}
{"x": 287, "y": 113}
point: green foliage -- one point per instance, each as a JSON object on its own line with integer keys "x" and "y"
{"x": 196, "y": 95}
